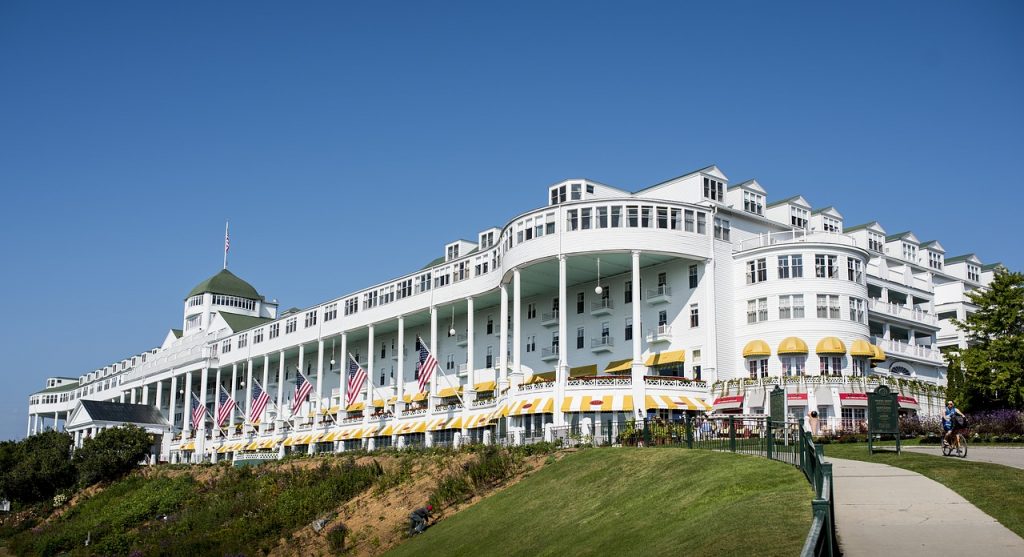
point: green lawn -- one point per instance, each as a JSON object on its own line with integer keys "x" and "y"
{"x": 618, "y": 501}
{"x": 997, "y": 490}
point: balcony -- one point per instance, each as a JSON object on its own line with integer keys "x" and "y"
{"x": 604, "y": 306}
{"x": 662, "y": 334}
{"x": 793, "y": 236}
{"x": 461, "y": 339}
{"x": 602, "y": 344}
{"x": 549, "y": 319}
{"x": 901, "y": 311}
{"x": 549, "y": 354}
{"x": 926, "y": 353}
{"x": 660, "y": 295}
{"x": 463, "y": 370}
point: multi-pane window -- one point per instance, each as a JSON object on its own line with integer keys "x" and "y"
{"x": 531, "y": 310}
{"x": 722, "y": 229}
{"x": 370, "y": 300}
{"x": 290, "y": 325}
{"x": 257, "y": 336}
{"x": 825, "y": 266}
{"x": 829, "y": 224}
{"x": 422, "y": 283}
{"x": 858, "y": 366}
{"x": 753, "y": 202}
{"x": 275, "y": 330}
{"x": 405, "y": 286}
{"x": 798, "y": 216}
{"x": 585, "y": 218}
{"x": 757, "y": 270}
{"x": 834, "y": 311}
{"x": 791, "y": 306}
{"x": 234, "y": 301}
{"x": 853, "y": 418}
{"x": 830, "y": 365}
{"x": 310, "y": 319}
{"x": 828, "y": 306}
{"x": 628, "y": 331}
{"x": 628, "y": 291}
{"x": 783, "y": 266}
{"x": 757, "y": 368}
{"x": 632, "y": 216}
{"x": 713, "y": 189}
{"x": 580, "y": 302}
{"x": 243, "y": 340}
{"x": 793, "y": 365}
{"x": 616, "y": 216}
{"x": 757, "y": 310}
{"x": 935, "y": 260}
{"x": 694, "y": 315}
{"x": 909, "y": 252}
{"x": 693, "y": 276}
{"x": 330, "y": 312}
{"x": 489, "y": 357}
{"x": 973, "y": 273}
{"x": 675, "y": 219}
{"x": 855, "y": 269}
{"x": 856, "y": 310}
{"x": 531, "y": 343}
{"x": 645, "y": 216}
{"x": 876, "y": 242}
{"x": 579, "y": 337}
{"x": 702, "y": 223}
{"x": 449, "y": 362}
{"x": 193, "y": 321}
{"x": 225, "y": 347}
{"x": 689, "y": 222}
{"x": 352, "y": 305}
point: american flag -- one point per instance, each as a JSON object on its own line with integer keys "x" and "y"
{"x": 198, "y": 411}
{"x": 260, "y": 398}
{"x": 427, "y": 364}
{"x": 227, "y": 239}
{"x": 356, "y": 379}
{"x": 302, "y": 388}
{"x": 227, "y": 407}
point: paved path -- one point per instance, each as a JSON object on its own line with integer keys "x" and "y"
{"x": 884, "y": 510}
{"x": 1007, "y": 456}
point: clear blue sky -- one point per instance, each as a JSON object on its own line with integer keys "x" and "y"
{"x": 347, "y": 142}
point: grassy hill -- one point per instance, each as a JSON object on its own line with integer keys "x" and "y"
{"x": 634, "y": 502}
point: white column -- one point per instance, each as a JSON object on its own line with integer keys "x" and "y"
{"x": 562, "y": 370}
{"x": 159, "y": 395}
{"x": 216, "y": 401}
{"x": 28, "y": 430}
{"x": 638, "y": 365}
{"x": 470, "y": 373}
{"x": 369, "y": 373}
{"x": 145, "y": 394}
{"x": 204, "y": 377}
{"x": 344, "y": 368}
{"x": 319, "y": 376}
{"x": 186, "y": 405}
{"x": 517, "y": 324}
{"x": 131, "y": 397}
{"x": 503, "y": 341}
{"x": 302, "y": 360}
{"x": 234, "y": 385}
{"x": 280, "y": 385}
{"x": 433, "y": 350}
{"x": 122, "y": 397}
{"x": 400, "y": 374}
{"x": 174, "y": 398}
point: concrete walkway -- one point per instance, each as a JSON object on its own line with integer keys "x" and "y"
{"x": 884, "y": 510}
{"x": 1007, "y": 456}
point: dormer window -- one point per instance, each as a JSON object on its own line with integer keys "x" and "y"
{"x": 829, "y": 224}
{"x": 557, "y": 195}
{"x": 193, "y": 321}
{"x": 910, "y": 252}
{"x": 713, "y": 189}
{"x": 935, "y": 260}
{"x": 453, "y": 252}
{"x": 576, "y": 191}
{"x": 876, "y": 242}
{"x": 798, "y": 216}
{"x": 753, "y": 202}
{"x": 973, "y": 273}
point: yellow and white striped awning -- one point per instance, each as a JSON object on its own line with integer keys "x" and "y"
{"x": 454, "y": 423}
{"x": 664, "y": 358}
{"x": 676, "y": 402}
{"x": 290, "y": 441}
{"x": 606, "y": 403}
{"x": 544, "y": 377}
{"x": 317, "y": 437}
{"x": 479, "y": 420}
{"x": 187, "y": 446}
{"x": 484, "y": 386}
{"x": 543, "y": 405}
{"x": 222, "y": 449}
{"x": 449, "y": 392}
{"x": 267, "y": 444}
{"x": 620, "y": 366}
{"x": 500, "y": 411}
{"x": 253, "y": 446}
{"x": 356, "y": 407}
{"x": 388, "y": 430}
{"x": 350, "y": 433}
{"x": 406, "y": 427}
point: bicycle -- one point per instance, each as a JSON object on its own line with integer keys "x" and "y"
{"x": 958, "y": 446}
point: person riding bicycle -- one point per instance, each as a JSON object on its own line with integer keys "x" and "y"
{"x": 952, "y": 422}
{"x": 418, "y": 519}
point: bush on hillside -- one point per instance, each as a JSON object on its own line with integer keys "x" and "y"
{"x": 36, "y": 468}
{"x": 111, "y": 454}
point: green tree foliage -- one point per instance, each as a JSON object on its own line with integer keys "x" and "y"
{"x": 36, "y": 468}
{"x": 111, "y": 454}
{"x": 989, "y": 374}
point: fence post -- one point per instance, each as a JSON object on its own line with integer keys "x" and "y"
{"x": 647, "y": 433}
{"x": 769, "y": 438}
{"x": 689, "y": 431}
{"x": 732, "y": 433}
{"x": 803, "y": 451}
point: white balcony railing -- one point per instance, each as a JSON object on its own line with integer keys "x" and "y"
{"x": 660, "y": 295}
{"x": 904, "y": 349}
{"x": 549, "y": 319}
{"x": 790, "y": 236}
{"x": 603, "y": 306}
{"x": 903, "y": 312}
{"x": 548, "y": 354}
{"x": 663, "y": 333}
{"x": 602, "y": 344}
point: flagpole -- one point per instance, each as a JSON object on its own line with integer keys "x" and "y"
{"x": 226, "y": 244}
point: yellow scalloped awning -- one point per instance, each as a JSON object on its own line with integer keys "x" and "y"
{"x": 583, "y": 371}
{"x": 620, "y": 366}
{"x": 830, "y": 345}
{"x": 392, "y": 400}
{"x": 378, "y": 403}
{"x": 862, "y": 348}
{"x": 449, "y": 391}
{"x": 665, "y": 358}
{"x": 356, "y": 407}
{"x": 792, "y": 345}
{"x": 545, "y": 377}
{"x": 879, "y": 353}
{"x": 484, "y": 386}
{"x": 419, "y": 397}
{"x": 757, "y": 348}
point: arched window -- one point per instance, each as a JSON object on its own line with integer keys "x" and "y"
{"x": 901, "y": 369}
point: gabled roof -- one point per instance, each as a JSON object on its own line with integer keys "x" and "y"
{"x": 227, "y": 283}
{"x": 992, "y": 266}
{"x": 795, "y": 200}
{"x": 434, "y": 263}
{"x": 961, "y": 258}
{"x": 59, "y": 388}
{"x": 239, "y": 322}
{"x": 933, "y": 245}
{"x": 749, "y": 185}
{"x": 176, "y": 333}
{"x": 104, "y": 411}
{"x": 863, "y": 226}
{"x": 830, "y": 209}
{"x": 706, "y": 170}
{"x": 906, "y": 235}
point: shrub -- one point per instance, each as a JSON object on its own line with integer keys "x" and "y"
{"x": 111, "y": 454}
{"x": 36, "y": 468}
{"x": 336, "y": 538}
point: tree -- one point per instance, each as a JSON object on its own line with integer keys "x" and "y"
{"x": 111, "y": 454}
{"x": 36, "y": 468}
{"x": 989, "y": 374}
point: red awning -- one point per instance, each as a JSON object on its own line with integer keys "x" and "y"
{"x": 853, "y": 399}
{"x": 907, "y": 403}
{"x": 796, "y": 399}
{"x": 728, "y": 403}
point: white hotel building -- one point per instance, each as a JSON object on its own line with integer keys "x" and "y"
{"x": 708, "y": 297}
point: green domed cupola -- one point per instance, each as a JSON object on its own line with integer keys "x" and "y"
{"x": 227, "y": 283}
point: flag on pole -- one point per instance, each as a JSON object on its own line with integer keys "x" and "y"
{"x": 260, "y": 398}
{"x": 227, "y": 406}
{"x": 427, "y": 364}
{"x": 302, "y": 388}
{"x": 198, "y": 411}
{"x": 227, "y": 244}
{"x": 356, "y": 379}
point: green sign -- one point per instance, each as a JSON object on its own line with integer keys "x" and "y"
{"x": 777, "y": 405}
{"x": 883, "y": 415}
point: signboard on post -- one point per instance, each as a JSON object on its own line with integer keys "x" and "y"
{"x": 883, "y": 416}
{"x": 777, "y": 404}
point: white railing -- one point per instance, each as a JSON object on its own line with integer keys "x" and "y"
{"x": 353, "y": 420}
{"x": 484, "y": 403}
{"x": 791, "y": 236}
{"x": 913, "y": 350}
{"x": 602, "y": 304}
{"x": 535, "y": 387}
{"x": 675, "y": 383}
{"x": 463, "y": 369}
{"x": 902, "y": 311}
{"x": 663, "y": 290}
{"x": 447, "y": 407}
{"x": 663, "y": 332}
{"x": 609, "y": 381}
{"x": 417, "y": 412}
{"x": 461, "y": 338}
{"x": 549, "y": 317}
{"x": 549, "y": 352}
{"x": 602, "y": 342}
